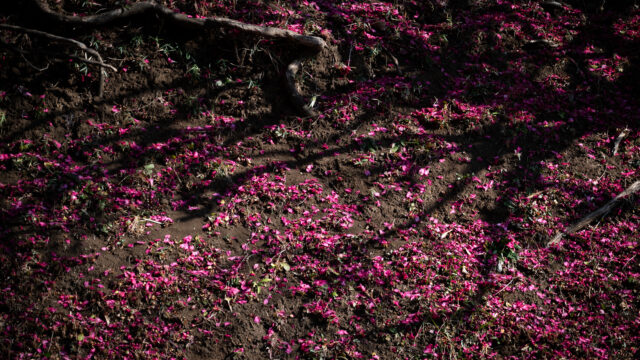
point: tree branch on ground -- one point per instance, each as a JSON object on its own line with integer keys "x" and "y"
{"x": 604, "y": 210}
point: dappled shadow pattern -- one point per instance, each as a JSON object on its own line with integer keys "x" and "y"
{"x": 409, "y": 218}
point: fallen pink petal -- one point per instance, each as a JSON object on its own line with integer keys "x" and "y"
{"x": 320, "y": 179}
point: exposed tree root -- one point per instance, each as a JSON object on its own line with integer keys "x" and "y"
{"x": 296, "y": 97}
{"x": 604, "y": 210}
{"x": 73, "y": 42}
{"x": 394, "y": 59}
{"x": 162, "y": 13}
{"x": 619, "y": 139}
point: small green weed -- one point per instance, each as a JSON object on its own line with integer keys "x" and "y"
{"x": 194, "y": 70}
{"x": 137, "y": 40}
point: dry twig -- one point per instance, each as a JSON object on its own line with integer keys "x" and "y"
{"x": 553, "y": 4}
{"x": 604, "y": 210}
{"x": 30, "y": 64}
{"x": 536, "y": 42}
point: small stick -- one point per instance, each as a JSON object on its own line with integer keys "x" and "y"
{"x": 33, "y": 66}
{"x": 536, "y": 194}
{"x": 598, "y": 213}
{"x": 504, "y": 287}
{"x": 622, "y": 135}
{"x": 77, "y": 43}
{"x": 628, "y": 261}
{"x": 543, "y": 42}
{"x": 554, "y": 4}
{"x": 151, "y": 221}
{"x": 89, "y": 61}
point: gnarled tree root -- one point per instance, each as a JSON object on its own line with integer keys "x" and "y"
{"x": 73, "y": 42}
{"x": 149, "y": 8}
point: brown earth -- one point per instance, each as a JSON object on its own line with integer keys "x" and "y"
{"x": 49, "y": 99}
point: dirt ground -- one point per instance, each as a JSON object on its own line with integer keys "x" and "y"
{"x": 193, "y": 212}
